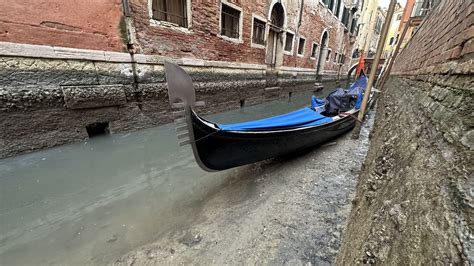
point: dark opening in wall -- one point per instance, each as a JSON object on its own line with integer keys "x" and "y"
{"x": 242, "y": 103}
{"x": 289, "y": 96}
{"x": 98, "y": 129}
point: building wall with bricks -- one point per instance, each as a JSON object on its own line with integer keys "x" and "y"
{"x": 99, "y": 25}
{"x": 87, "y": 24}
{"x": 432, "y": 47}
{"x": 202, "y": 40}
{"x": 415, "y": 200}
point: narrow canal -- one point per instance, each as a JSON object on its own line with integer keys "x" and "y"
{"x": 91, "y": 202}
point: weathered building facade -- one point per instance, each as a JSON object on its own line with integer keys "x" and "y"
{"x": 414, "y": 202}
{"x": 393, "y": 33}
{"x": 371, "y": 21}
{"x": 64, "y": 71}
{"x": 275, "y": 33}
{"x": 413, "y": 14}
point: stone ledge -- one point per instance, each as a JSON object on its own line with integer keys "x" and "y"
{"x": 64, "y": 53}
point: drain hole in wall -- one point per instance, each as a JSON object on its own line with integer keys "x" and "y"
{"x": 242, "y": 103}
{"x": 289, "y": 96}
{"x": 98, "y": 129}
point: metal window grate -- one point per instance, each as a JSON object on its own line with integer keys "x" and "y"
{"x": 258, "y": 32}
{"x": 230, "y": 19}
{"x": 173, "y": 11}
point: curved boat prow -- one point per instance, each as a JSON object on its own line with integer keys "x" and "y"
{"x": 182, "y": 96}
{"x": 180, "y": 86}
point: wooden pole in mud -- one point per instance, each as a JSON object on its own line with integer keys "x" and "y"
{"x": 394, "y": 56}
{"x": 378, "y": 54}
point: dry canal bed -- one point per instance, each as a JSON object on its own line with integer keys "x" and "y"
{"x": 283, "y": 211}
{"x": 105, "y": 200}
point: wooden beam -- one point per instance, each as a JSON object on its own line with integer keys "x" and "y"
{"x": 378, "y": 54}
{"x": 386, "y": 73}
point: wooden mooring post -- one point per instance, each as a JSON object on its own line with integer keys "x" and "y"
{"x": 378, "y": 54}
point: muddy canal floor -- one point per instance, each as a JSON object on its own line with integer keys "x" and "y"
{"x": 287, "y": 210}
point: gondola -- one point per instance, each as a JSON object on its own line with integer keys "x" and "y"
{"x": 222, "y": 146}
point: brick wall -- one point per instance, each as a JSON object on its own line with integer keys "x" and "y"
{"x": 447, "y": 37}
{"x": 89, "y": 24}
{"x": 317, "y": 19}
{"x": 414, "y": 202}
{"x": 201, "y": 40}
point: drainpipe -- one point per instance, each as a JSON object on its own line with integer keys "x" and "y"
{"x": 132, "y": 49}
{"x": 131, "y": 40}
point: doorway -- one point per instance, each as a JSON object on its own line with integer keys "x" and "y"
{"x": 323, "y": 53}
{"x": 272, "y": 41}
{"x": 274, "y": 54}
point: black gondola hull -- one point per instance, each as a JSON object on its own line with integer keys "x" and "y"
{"x": 219, "y": 150}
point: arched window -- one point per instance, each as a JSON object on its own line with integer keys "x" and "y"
{"x": 277, "y": 16}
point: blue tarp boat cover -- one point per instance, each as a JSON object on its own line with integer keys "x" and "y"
{"x": 357, "y": 90}
{"x": 342, "y": 100}
{"x": 298, "y": 118}
{"x": 302, "y": 117}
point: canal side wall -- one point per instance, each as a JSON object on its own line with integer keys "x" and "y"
{"x": 414, "y": 202}
{"x": 48, "y": 95}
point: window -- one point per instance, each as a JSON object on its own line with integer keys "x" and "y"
{"x": 301, "y": 44}
{"x": 391, "y": 41}
{"x": 378, "y": 25}
{"x": 345, "y": 16}
{"x": 230, "y": 19}
{"x": 342, "y": 59}
{"x": 173, "y": 11}
{"x": 355, "y": 54}
{"x": 258, "y": 36}
{"x": 329, "y": 55}
{"x": 314, "y": 49}
{"x": 399, "y": 17}
{"x": 331, "y": 5}
{"x": 338, "y": 8}
{"x": 335, "y": 57}
{"x": 289, "y": 42}
{"x": 353, "y": 26}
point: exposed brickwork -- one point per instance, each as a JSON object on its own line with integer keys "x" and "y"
{"x": 202, "y": 40}
{"x": 90, "y": 24}
{"x": 414, "y": 202}
{"x": 447, "y": 36}
{"x": 316, "y": 20}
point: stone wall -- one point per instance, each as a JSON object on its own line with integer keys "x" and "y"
{"x": 414, "y": 202}
{"x": 49, "y": 95}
